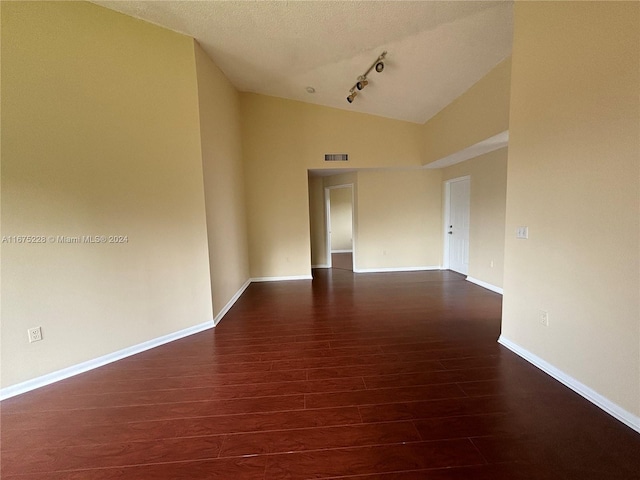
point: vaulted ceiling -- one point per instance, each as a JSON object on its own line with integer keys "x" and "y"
{"x": 436, "y": 49}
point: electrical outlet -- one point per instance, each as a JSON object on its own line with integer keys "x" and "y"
{"x": 491, "y": 263}
{"x": 35, "y": 334}
{"x": 543, "y": 317}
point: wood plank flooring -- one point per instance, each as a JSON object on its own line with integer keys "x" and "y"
{"x": 343, "y": 261}
{"x": 393, "y": 376}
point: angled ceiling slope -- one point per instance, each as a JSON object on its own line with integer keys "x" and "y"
{"x": 437, "y": 49}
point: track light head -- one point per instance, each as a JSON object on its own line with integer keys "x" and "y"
{"x": 362, "y": 81}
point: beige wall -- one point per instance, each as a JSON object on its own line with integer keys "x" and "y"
{"x": 317, "y": 222}
{"x": 223, "y": 181}
{"x": 282, "y": 139}
{"x": 100, "y": 136}
{"x": 479, "y": 113}
{"x": 573, "y": 179}
{"x": 487, "y": 213}
{"x": 399, "y": 219}
{"x": 341, "y": 208}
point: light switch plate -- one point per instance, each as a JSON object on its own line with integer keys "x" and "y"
{"x": 522, "y": 232}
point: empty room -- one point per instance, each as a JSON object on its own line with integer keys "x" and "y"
{"x": 368, "y": 240}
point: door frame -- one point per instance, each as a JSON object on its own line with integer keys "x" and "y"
{"x": 327, "y": 222}
{"x": 447, "y": 213}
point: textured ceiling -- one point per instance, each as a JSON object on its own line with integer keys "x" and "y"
{"x": 436, "y": 49}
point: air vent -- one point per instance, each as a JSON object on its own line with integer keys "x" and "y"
{"x": 336, "y": 157}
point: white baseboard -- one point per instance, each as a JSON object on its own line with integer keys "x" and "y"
{"x": 280, "y": 279}
{"x": 486, "y": 285}
{"x": 321, "y": 266}
{"x": 341, "y": 251}
{"x": 230, "y": 303}
{"x": 594, "y": 397}
{"x": 53, "y": 377}
{"x": 396, "y": 269}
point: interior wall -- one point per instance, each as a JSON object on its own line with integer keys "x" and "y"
{"x": 282, "y": 140}
{"x": 319, "y": 258}
{"x": 488, "y": 199}
{"x": 399, "y": 219}
{"x": 341, "y": 211}
{"x": 100, "y": 136}
{"x": 221, "y": 142}
{"x": 479, "y": 113}
{"x": 574, "y": 180}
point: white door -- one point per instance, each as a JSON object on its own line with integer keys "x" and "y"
{"x": 458, "y": 225}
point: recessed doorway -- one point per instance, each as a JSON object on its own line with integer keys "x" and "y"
{"x": 339, "y": 214}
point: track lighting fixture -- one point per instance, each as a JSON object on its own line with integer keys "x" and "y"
{"x": 362, "y": 82}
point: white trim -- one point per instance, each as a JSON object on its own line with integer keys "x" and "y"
{"x": 321, "y": 266}
{"x": 280, "y": 279}
{"x": 230, "y": 303}
{"x": 342, "y": 251}
{"x": 486, "y": 285}
{"x": 487, "y": 145}
{"x": 398, "y": 269}
{"x": 594, "y": 397}
{"x": 49, "y": 378}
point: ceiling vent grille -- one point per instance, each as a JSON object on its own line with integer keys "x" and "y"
{"x": 336, "y": 157}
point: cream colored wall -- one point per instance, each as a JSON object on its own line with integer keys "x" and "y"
{"x": 488, "y": 174}
{"x": 317, "y": 222}
{"x": 100, "y": 136}
{"x": 479, "y": 113}
{"x": 399, "y": 220}
{"x": 350, "y": 178}
{"x": 341, "y": 208}
{"x": 573, "y": 179}
{"x": 223, "y": 181}
{"x": 282, "y": 139}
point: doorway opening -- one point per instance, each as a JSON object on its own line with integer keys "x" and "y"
{"x": 339, "y": 231}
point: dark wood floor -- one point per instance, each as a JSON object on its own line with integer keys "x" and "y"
{"x": 342, "y": 261}
{"x": 371, "y": 376}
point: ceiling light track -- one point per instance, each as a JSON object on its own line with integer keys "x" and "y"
{"x": 362, "y": 82}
